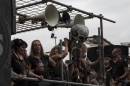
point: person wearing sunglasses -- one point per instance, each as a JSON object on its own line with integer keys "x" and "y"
{"x": 119, "y": 67}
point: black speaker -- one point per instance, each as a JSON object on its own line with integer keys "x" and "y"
{"x": 13, "y": 17}
{"x": 93, "y": 55}
{"x": 5, "y": 40}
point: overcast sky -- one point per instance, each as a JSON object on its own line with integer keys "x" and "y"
{"x": 117, "y": 10}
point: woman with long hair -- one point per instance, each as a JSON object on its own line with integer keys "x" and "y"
{"x": 57, "y": 56}
{"x": 55, "y": 51}
{"x": 80, "y": 65}
{"x": 39, "y": 62}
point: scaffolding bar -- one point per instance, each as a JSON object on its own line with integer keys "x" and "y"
{"x": 61, "y": 66}
{"x": 88, "y": 13}
{"x": 100, "y": 62}
{"x": 94, "y": 15}
{"x": 60, "y": 3}
{"x": 21, "y": 15}
{"x": 102, "y": 47}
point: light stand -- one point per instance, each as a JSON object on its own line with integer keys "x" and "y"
{"x": 55, "y": 39}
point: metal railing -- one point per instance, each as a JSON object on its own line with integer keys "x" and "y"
{"x": 56, "y": 81}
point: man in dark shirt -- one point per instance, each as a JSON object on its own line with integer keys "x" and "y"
{"x": 119, "y": 66}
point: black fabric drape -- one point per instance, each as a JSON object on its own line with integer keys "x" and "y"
{"x": 108, "y": 50}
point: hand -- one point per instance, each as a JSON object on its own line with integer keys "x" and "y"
{"x": 66, "y": 41}
{"x": 40, "y": 77}
{"x": 98, "y": 59}
{"x": 118, "y": 79}
{"x": 39, "y": 69}
{"x": 20, "y": 76}
{"x": 59, "y": 57}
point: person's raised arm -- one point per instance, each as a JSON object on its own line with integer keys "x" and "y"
{"x": 65, "y": 52}
{"x": 58, "y": 56}
{"x": 93, "y": 63}
{"x": 52, "y": 62}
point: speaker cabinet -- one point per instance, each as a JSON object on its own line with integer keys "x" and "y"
{"x": 108, "y": 50}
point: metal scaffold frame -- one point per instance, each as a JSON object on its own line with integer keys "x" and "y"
{"x": 35, "y": 7}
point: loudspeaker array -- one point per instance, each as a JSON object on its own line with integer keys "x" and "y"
{"x": 52, "y": 19}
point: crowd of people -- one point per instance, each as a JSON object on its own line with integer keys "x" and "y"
{"x": 39, "y": 65}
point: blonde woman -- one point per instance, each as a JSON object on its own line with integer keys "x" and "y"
{"x": 55, "y": 52}
{"x": 39, "y": 62}
{"x": 56, "y": 56}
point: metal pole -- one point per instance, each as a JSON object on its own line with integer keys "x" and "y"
{"x": 21, "y": 15}
{"x": 56, "y": 81}
{"x": 69, "y": 57}
{"x": 88, "y": 13}
{"x": 61, "y": 66}
{"x": 70, "y": 45}
{"x": 99, "y": 47}
{"x": 55, "y": 39}
{"x": 102, "y": 47}
{"x": 94, "y": 15}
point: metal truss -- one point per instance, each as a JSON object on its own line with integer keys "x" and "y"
{"x": 35, "y": 7}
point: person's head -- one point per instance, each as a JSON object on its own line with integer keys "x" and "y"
{"x": 67, "y": 61}
{"x": 55, "y": 50}
{"x": 36, "y": 48}
{"x": 19, "y": 46}
{"x": 116, "y": 52}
